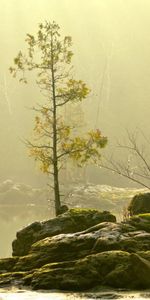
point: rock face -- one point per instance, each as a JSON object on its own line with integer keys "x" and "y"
{"x": 140, "y": 204}
{"x": 79, "y": 250}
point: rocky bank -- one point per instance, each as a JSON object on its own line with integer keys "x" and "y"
{"x": 80, "y": 250}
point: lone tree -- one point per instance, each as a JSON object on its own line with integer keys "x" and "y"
{"x": 49, "y": 56}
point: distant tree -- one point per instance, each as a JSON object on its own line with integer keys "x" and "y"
{"x": 49, "y": 58}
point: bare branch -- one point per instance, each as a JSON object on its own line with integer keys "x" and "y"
{"x": 120, "y": 172}
{"x": 63, "y": 103}
{"x": 139, "y": 173}
{"x": 28, "y": 143}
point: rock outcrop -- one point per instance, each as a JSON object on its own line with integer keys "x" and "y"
{"x": 80, "y": 250}
{"x": 72, "y": 221}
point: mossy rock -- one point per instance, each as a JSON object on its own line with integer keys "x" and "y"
{"x": 7, "y": 264}
{"x": 140, "y": 204}
{"x": 11, "y": 278}
{"x": 29, "y": 263}
{"x": 140, "y": 272}
{"x": 82, "y": 249}
{"x": 91, "y": 216}
{"x": 79, "y": 275}
{"x": 102, "y": 237}
{"x": 115, "y": 269}
{"x": 144, "y": 254}
{"x": 140, "y": 222}
{"x": 72, "y": 221}
{"x": 134, "y": 275}
{"x": 145, "y": 217}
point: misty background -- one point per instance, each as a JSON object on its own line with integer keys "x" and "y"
{"x": 111, "y": 45}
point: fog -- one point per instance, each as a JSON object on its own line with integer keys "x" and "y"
{"x": 111, "y": 45}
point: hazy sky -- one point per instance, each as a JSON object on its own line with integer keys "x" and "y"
{"x": 111, "y": 43}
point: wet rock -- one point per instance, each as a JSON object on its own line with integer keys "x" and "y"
{"x": 112, "y": 268}
{"x": 102, "y": 237}
{"x": 117, "y": 269}
{"x": 79, "y": 275}
{"x": 72, "y": 221}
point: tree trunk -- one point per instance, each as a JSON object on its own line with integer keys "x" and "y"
{"x": 55, "y": 159}
{"x": 56, "y": 191}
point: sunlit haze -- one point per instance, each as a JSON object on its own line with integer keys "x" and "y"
{"x": 111, "y": 45}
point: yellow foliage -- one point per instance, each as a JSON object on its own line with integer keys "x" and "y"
{"x": 49, "y": 57}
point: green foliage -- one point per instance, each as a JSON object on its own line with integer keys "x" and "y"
{"x": 84, "y": 149}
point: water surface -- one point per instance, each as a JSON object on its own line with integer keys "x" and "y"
{"x": 14, "y": 294}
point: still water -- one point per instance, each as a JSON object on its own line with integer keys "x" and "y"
{"x": 13, "y": 294}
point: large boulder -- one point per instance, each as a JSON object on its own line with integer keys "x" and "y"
{"x": 74, "y": 220}
{"x": 140, "y": 204}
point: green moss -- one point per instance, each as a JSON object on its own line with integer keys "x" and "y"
{"x": 84, "y": 217}
{"x": 28, "y": 262}
{"x": 140, "y": 221}
{"x": 118, "y": 278}
{"x": 27, "y": 279}
{"x": 10, "y": 277}
{"x": 140, "y": 272}
{"x": 125, "y": 227}
{"x": 81, "y": 274}
{"x": 75, "y": 211}
{"x": 7, "y": 264}
{"x": 145, "y": 216}
{"x": 144, "y": 254}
